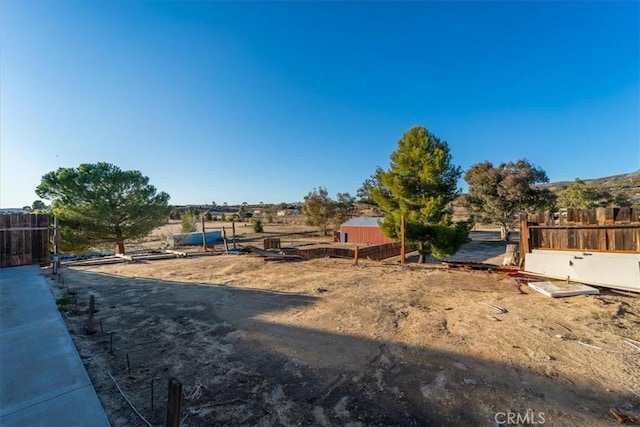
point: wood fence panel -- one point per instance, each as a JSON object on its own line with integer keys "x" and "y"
{"x": 24, "y": 239}
{"x": 572, "y": 238}
{"x": 623, "y": 216}
{"x": 602, "y": 239}
{"x": 375, "y": 253}
{"x": 603, "y": 229}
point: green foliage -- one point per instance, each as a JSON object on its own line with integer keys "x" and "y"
{"x": 498, "y": 194}
{"x": 582, "y": 196}
{"x": 578, "y": 195}
{"x": 344, "y": 208}
{"x": 242, "y": 212}
{"x": 223, "y": 217}
{"x": 174, "y": 213}
{"x": 257, "y": 225}
{"x": 38, "y": 206}
{"x": 322, "y": 211}
{"x": 102, "y": 204}
{"x": 270, "y": 218}
{"x": 319, "y": 209}
{"x": 420, "y": 184}
{"x": 63, "y": 303}
{"x": 188, "y": 222}
{"x": 207, "y": 216}
{"x": 363, "y": 193}
{"x": 73, "y": 238}
{"x": 447, "y": 240}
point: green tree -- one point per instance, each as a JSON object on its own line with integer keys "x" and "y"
{"x": 319, "y": 209}
{"x": 363, "y": 193}
{"x": 257, "y": 225}
{"x": 498, "y": 194}
{"x": 582, "y": 196}
{"x": 344, "y": 208}
{"x": 242, "y": 212}
{"x": 188, "y": 222}
{"x": 100, "y": 203}
{"x": 420, "y": 184}
{"x": 38, "y": 206}
{"x": 578, "y": 195}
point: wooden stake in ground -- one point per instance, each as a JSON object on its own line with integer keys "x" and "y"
{"x": 402, "y": 240}
{"x": 56, "y": 246}
{"x": 356, "y": 256}
{"x": 92, "y": 308}
{"x": 204, "y": 236}
{"x": 510, "y": 255}
{"x": 224, "y": 239}
{"x": 174, "y": 403}
{"x": 233, "y": 235}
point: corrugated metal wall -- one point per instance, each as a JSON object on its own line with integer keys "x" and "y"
{"x": 194, "y": 239}
{"x": 366, "y": 235}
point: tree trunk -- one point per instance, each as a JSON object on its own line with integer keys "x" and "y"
{"x": 504, "y": 233}
{"x": 119, "y": 240}
{"x": 423, "y": 253}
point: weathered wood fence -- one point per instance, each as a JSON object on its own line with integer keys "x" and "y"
{"x": 375, "y": 253}
{"x": 24, "y": 239}
{"x": 601, "y": 229}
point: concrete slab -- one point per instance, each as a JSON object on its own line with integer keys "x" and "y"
{"x": 554, "y": 290}
{"x": 74, "y": 409}
{"x": 22, "y": 304}
{"x": 42, "y": 379}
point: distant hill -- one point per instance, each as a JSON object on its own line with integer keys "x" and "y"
{"x": 627, "y": 185}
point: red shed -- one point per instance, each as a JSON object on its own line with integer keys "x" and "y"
{"x": 364, "y": 230}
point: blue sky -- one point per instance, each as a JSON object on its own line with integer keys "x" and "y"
{"x": 260, "y": 101}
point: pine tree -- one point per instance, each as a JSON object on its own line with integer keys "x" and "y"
{"x": 420, "y": 184}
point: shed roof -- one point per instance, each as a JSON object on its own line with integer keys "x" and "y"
{"x": 364, "y": 221}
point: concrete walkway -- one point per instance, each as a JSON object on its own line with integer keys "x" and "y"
{"x": 42, "y": 380}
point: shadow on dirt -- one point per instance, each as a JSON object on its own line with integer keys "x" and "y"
{"x": 239, "y": 368}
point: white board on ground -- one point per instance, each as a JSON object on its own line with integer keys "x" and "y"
{"x": 562, "y": 290}
{"x": 611, "y": 270}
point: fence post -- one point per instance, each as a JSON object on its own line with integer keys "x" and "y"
{"x": 524, "y": 238}
{"x": 56, "y": 245}
{"x": 174, "y": 403}
{"x": 92, "y": 308}
{"x": 233, "y": 229}
{"x": 356, "y": 256}
{"x": 224, "y": 239}
{"x": 402, "y": 236}
{"x": 204, "y": 236}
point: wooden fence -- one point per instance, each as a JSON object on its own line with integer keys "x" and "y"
{"x": 602, "y": 229}
{"x": 24, "y": 239}
{"x": 375, "y": 253}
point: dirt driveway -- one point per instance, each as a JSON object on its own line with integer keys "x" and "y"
{"x": 324, "y": 343}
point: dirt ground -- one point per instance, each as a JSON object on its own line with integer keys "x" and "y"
{"x": 325, "y": 343}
